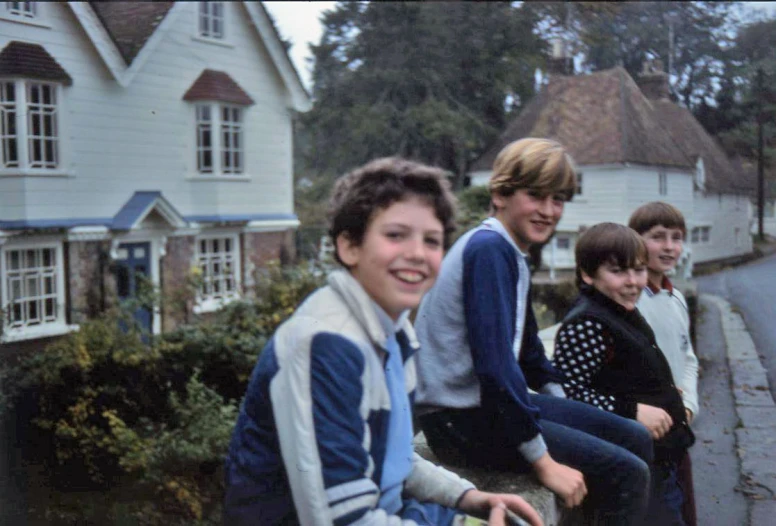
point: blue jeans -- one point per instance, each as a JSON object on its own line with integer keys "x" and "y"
{"x": 612, "y": 452}
{"x": 427, "y": 513}
{"x": 665, "y": 505}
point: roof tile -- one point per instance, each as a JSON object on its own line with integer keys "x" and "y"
{"x": 217, "y": 85}
{"x": 131, "y": 24}
{"x": 31, "y": 61}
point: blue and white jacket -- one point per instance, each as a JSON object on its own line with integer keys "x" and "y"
{"x": 480, "y": 340}
{"x": 311, "y": 436}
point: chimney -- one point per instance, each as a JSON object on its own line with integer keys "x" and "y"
{"x": 560, "y": 63}
{"x": 653, "y": 81}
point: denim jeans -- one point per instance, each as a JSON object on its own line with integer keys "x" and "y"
{"x": 665, "y": 506}
{"x": 428, "y": 514}
{"x": 613, "y": 453}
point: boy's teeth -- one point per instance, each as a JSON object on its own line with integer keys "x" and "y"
{"x": 412, "y": 277}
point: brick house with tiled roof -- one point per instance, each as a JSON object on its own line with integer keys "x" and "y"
{"x": 138, "y": 138}
{"x": 631, "y": 149}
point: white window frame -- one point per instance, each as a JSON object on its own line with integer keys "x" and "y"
{"x": 26, "y": 10}
{"x": 705, "y": 234}
{"x": 207, "y": 299}
{"x": 227, "y": 139}
{"x": 23, "y": 114}
{"x": 27, "y": 329}
{"x": 695, "y": 235}
{"x": 578, "y": 190}
{"x": 210, "y": 20}
{"x": 662, "y": 182}
{"x": 563, "y": 242}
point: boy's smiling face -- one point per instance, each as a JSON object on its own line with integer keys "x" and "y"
{"x": 529, "y": 216}
{"x": 664, "y": 246}
{"x": 621, "y": 285}
{"x": 399, "y": 257}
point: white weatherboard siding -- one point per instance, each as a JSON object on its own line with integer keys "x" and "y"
{"x": 728, "y": 218}
{"x": 118, "y": 140}
{"x": 612, "y": 193}
{"x": 644, "y": 187}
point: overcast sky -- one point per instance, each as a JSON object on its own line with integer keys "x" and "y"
{"x": 298, "y": 21}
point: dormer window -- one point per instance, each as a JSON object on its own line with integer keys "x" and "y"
{"x": 21, "y": 9}
{"x": 220, "y": 106}
{"x": 30, "y": 108}
{"x": 219, "y": 152}
{"x": 211, "y": 20}
{"x": 700, "y": 175}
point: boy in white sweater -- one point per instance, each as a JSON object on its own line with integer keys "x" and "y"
{"x": 663, "y": 228}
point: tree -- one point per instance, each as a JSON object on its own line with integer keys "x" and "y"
{"x": 689, "y": 37}
{"x": 431, "y": 81}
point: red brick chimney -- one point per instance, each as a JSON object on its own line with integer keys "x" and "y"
{"x": 653, "y": 81}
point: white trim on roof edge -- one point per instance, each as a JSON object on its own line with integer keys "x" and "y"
{"x": 299, "y": 96}
{"x": 124, "y": 73}
{"x": 102, "y": 41}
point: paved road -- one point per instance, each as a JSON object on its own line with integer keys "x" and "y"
{"x": 716, "y": 468}
{"x": 752, "y": 290}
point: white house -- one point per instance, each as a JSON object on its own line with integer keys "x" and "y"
{"x": 629, "y": 151}
{"x": 139, "y": 138}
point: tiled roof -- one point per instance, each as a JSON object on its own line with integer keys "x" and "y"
{"x": 131, "y": 24}
{"x": 601, "y": 118}
{"x": 31, "y": 61}
{"x": 692, "y": 138}
{"x": 217, "y": 85}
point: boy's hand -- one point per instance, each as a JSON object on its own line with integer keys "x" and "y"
{"x": 494, "y": 505}
{"x": 564, "y": 481}
{"x": 689, "y": 415}
{"x": 656, "y": 420}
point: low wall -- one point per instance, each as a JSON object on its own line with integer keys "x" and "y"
{"x": 542, "y": 499}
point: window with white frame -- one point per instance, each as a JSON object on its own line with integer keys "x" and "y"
{"x": 662, "y": 183}
{"x": 32, "y": 287}
{"x": 700, "y": 234}
{"x": 29, "y": 125}
{"x": 21, "y": 9}
{"x": 563, "y": 242}
{"x": 705, "y": 234}
{"x": 219, "y": 139}
{"x": 578, "y": 190}
{"x": 218, "y": 262}
{"x": 211, "y": 20}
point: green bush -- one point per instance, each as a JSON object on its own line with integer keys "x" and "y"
{"x": 107, "y": 403}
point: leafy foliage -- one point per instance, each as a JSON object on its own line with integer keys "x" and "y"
{"x": 422, "y": 80}
{"x": 106, "y": 404}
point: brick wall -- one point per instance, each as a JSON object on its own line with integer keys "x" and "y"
{"x": 259, "y": 248}
{"x": 176, "y": 300}
{"x": 90, "y": 281}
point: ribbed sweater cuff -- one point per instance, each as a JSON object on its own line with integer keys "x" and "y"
{"x": 532, "y": 450}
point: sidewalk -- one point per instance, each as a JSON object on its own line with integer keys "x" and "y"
{"x": 752, "y": 437}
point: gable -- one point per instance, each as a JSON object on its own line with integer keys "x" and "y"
{"x": 126, "y": 34}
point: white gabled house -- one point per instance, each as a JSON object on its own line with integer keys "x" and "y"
{"x": 632, "y": 146}
{"x": 139, "y": 138}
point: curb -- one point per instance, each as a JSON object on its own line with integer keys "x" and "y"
{"x": 756, "y": 410}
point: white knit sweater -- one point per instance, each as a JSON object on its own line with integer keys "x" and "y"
{"x": 667, "y": 313}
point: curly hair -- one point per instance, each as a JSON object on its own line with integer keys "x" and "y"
{"x": 375, "y": 186}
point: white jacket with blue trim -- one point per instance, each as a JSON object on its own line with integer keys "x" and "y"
{"x": 311, "y": 436}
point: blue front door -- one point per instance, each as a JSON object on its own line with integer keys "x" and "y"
{"x": 133, "y": 260}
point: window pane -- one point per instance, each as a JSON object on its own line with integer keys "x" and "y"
{"x": 31, "y": 259}
{"x": 50, "y": 308}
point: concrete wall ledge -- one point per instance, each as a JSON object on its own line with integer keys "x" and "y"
{"x": 542, "y": 499}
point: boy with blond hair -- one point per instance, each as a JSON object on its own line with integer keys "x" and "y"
{"x": 481, "y": 354}
{"x": 663, "y": 228}
{"x": 324, "y": 434}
